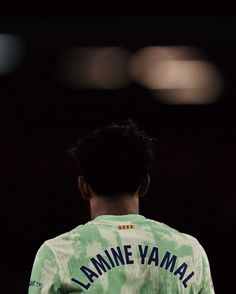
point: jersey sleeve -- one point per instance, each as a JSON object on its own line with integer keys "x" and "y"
{"x": 207, "y": 283}
{"x": 45, "y": 277}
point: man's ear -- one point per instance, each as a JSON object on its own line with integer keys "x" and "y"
{"x": 84, "y": 188}
{"x": 143, "y": 188}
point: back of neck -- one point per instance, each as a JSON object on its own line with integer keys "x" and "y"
{"x": 120, "y": 205}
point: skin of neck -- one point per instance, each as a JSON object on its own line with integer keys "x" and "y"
{"x": 117, "y": 205}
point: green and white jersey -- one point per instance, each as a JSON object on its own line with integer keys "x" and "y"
{"x": 124, "y": 254}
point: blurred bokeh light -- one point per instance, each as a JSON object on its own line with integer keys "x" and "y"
{"x": 177, "y": 75}
{"x": 96, "y": 67}
{"x": 11, "y": 53}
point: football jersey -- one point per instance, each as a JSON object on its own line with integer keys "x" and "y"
{"x": 121, "y": 254}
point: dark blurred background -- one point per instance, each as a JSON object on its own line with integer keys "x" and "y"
{"x": 67, "y": 67}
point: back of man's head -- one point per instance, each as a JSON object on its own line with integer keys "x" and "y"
{"x": 115, "y": 159}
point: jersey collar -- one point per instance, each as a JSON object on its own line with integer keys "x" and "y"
{"x": 120, "y": 218}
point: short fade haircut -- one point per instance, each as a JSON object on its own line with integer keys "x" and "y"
{"x": 114, "y": 159}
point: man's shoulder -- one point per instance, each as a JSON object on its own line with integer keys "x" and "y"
{"x": 89, "y": 231}
{"x": 65, "y": 238}
{"x": 170, "y": 233}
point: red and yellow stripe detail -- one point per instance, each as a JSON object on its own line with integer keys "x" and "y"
{"x": 125, "y": 227}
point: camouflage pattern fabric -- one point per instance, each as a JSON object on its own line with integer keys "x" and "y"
{"x": 126, "y": 254}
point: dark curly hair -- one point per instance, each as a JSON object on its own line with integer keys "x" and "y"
{"x": 114, "y": 159}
